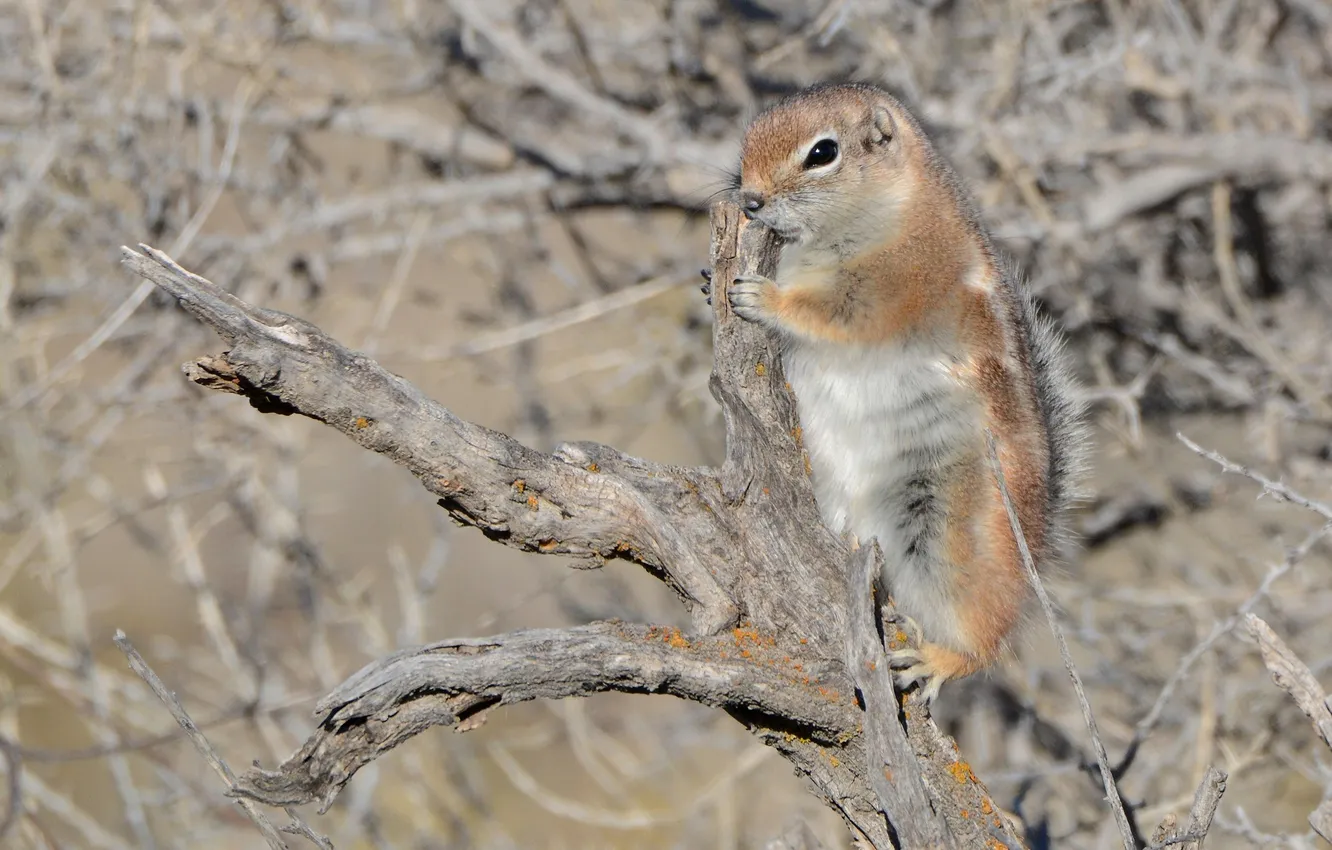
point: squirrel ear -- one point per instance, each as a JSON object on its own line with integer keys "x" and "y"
{"x": 884, "y": 127}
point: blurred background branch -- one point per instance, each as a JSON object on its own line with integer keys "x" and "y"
{"x": 534, "y": 174}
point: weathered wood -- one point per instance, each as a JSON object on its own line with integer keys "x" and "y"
{"x": 775, "y": 621}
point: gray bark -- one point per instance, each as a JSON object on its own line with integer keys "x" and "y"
{"x": 784, "y": 636}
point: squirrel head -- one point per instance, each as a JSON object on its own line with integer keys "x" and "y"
{"x": 830, "y": 169}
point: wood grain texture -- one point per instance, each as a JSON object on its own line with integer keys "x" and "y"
{"x": 775, "y": 622}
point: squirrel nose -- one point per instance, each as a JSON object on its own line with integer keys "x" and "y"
{"x": 751, "y": 201}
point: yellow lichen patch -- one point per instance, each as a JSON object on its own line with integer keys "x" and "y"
{"x": 809, "y": 470}
{"x": 986, "y": 807}
{"x": 592, "y": 467}
{"x": 362, "y": 422}
{"x": 532, "y": 502}
{"x": 961, "y": 772}
{"x": 833, "y": 760}
{"x": 743, "y": 634}
{"x": 520, "y": 485}
{"x": 799, "y": 434}
{"x": 760, "y": 369}
{"x": 674, "y": 638}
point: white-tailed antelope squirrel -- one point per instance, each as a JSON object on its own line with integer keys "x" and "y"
{"x": 904, "y": 337}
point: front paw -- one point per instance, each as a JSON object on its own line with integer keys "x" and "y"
{"x": 751, "y": 296}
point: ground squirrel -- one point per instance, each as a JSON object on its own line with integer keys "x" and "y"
{"x": 904, "y": 337}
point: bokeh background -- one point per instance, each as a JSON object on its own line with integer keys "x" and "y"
{"x": 505, "y": 202}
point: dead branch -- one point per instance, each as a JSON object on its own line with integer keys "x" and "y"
{"x": 1295, "y": 678}
{"x": 270, "y": 833}
{"x": 742, "y": 545}
{"x": 1127, "y": 831}
{"x": 456, "y": 682}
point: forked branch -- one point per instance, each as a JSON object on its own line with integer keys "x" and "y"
{"x": 455, "y": 682}
{"x": 784, "y": 638}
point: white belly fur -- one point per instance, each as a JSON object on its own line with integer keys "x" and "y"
{"x": 872, "y": 419}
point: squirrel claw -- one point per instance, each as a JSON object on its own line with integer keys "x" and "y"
{"x": 747, "y": 295}
{"x": 930, "y": 683}
{"x": 909, "y": 664}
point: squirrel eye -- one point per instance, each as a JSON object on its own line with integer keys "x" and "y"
{"x": 823, "y": 153}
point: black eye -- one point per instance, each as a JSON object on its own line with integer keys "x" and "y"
{"x": 823, "y": 152}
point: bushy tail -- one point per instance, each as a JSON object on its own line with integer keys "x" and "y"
{"x": 1064, "y": 410}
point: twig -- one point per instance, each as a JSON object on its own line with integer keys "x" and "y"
{"x": 1148, "y": 723}
{"x": 1293, "y": 676}
{"x": 183, "y": 240}
{"x": 1254, "y": 338}
{"x": 139, "y": 666}
{"x": 1272, "y": 488}
{"x": 544, "y": 325}
{"x": 13, "y": 760}
{"x": 796, "y": 837}
{"x": 1320, "y": 820}
{"x": 1126, "y": 830}
{"x": 1204, "y": 807}
{"x": 628, "y": 819}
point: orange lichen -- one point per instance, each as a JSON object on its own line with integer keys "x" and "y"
{"x": 674, "y": 638}
{"x": 887, "y": 774}
{"x": 765, "y": 491}
{"x": 961, "y": 772}
{"x": 532, "y": 502}
{"x": 809, "y": 470}
{"x": 520, "y": 485}
{"x": 760, "y": 369}
{"x": 548, "y": 545}
{"x": 592, "y": 467}
{"x": 362, "y": 422}
{"x": 986, "y": 807}
{"x": 964, "y": 813}
{"x": 833, "y": 761}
